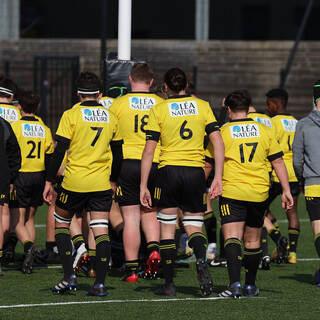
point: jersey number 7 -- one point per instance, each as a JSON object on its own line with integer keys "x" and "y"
{"x": 99, "y": 130}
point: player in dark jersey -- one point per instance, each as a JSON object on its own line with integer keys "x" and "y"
{"x": 90, "y": 133}
{"x": 10, "y": 163}
{"x": 180, "y": 124}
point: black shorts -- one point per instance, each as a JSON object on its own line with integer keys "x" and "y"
{"x": 252, "y": 213}
{"x": 313, "y": 208}
{"x": 100, "y": 201}
{"x": 10, "y": 198}
{"x": 183, "y": 187}
{"x": 29, "y": 187}
{"x": 276, "y": 190}
{"x": 128, "y": 186}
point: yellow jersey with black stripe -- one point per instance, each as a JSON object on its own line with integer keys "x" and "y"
{"x": 284, "y": 126}
{"x": 90, "y": 128}
{"x": 133, "y": 110}
{"x": 35, "y": 141}
{"x": 312, "y": 191}
{"x": 9, "y": 112}
{"x": 248, "y": 146}
{"x": 181, "y": 123}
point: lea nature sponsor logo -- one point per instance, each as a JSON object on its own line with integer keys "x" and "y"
{"x": 265, "y": 121}
{"x": 289, "y": 124}
{"x": 106, "y": 102}
{"x": 32, "y": 130}
{"x": 9, "y": 114}
{"x": 244, "y": 131}
{"x": 95, "y": 115}
{"x": 184, "y": 108}
{"x": 141, "y": 103}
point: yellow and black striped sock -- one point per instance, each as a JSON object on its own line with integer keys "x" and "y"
{"x": 275, "y": 235}
{"x": 152, "y": 246}
{"x": 198, "y": 242}
{"x": 63, "y": 241}
{"x": 293, "y": 239}
{"x": 92, "y": 255}
{"x": 275, "y": 223}
{"x": 251, "y": 261}
{"x": 168, "y": 255}
{"x": 103, "y": 253}
{"x": 233, "y": 252}
{"x": 77, "y": 241}
{"x": 132, "y": 266}
{"x": 1, "y": 254}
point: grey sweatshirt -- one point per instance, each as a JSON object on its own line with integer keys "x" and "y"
{"x": 306, "y": 149}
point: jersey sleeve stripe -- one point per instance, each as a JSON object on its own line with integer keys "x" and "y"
{"x": 275, "y": 156}
{"x": 115, "y": 143}
{"x": 211, "y": 127}
{"x": 63, "y": 139}
{"x": 152, "y": 135}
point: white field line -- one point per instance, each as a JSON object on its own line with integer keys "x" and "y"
{"x": 50, "y": 304}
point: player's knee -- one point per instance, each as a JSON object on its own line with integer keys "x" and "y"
{"x": 61, "y": 219}
{"x": 170, "y": 219}
{"x": 192, "y": 220}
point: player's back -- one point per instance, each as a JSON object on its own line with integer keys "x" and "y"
{"x": 90, "y": 127}
{"x": 35, "y": 141}
{"x": 284, "y": 127}
{"x": 9, "y": 112}
{"x": 132, "y": 111}
{"x": 248, "y": 145}
{"x": 182, "y": 122}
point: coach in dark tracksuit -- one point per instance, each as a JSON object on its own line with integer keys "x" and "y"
{"x": 10, "y": 162}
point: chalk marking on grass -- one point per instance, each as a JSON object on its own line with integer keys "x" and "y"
{"x": 49, "y": 304}
{"x": 286, "y": 220}
{"x": 40, "y": 225}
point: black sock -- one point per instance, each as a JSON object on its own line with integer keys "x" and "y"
{"x": 317, "y": 243}
{"x": 264, "y": 241}
{"x": 293, "y": 239}
{"x": 210, "y": 224}
{"x": 50, "y": 245}
{"x": 27, "y": 245}
{"x": 103, "y": 253}
{"x": 132, "y": 266}
{"x": 177, "y": 236}
{"x": 168, "y": 254}
{"x": 63, "y": 241}
{"x": 92, "y": 256}
{"x": 232, "y": 247}
{"x": 275, "y": 235}
{"x": 152, "y": 246}
{"x": 221, "y": 239}
{"x": 251, "y": 263}
{"x": 77, "y": 241}
{"x": 11, "y": 242}
{"x": 198, "y": 242}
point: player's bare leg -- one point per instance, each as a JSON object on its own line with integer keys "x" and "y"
{"x": 30, "y": 223}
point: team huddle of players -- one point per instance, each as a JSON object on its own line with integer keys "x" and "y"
{"x": 140, "y": 158}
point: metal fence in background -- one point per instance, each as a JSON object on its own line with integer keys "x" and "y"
{"x": 53, "y": 78}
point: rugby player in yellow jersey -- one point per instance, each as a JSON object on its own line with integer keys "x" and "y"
{"x": 243, "y": 203}
{"x": 180, "y": 124}
{"x": 36, "y": 146}
{"x": 133, "y": 110}
{"x": 91, "y": 135}
{"x": 306, "y": 155}
{"x": 284, "y": 126}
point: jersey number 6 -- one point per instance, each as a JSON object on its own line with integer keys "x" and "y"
{"x": 185, "y": 133}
